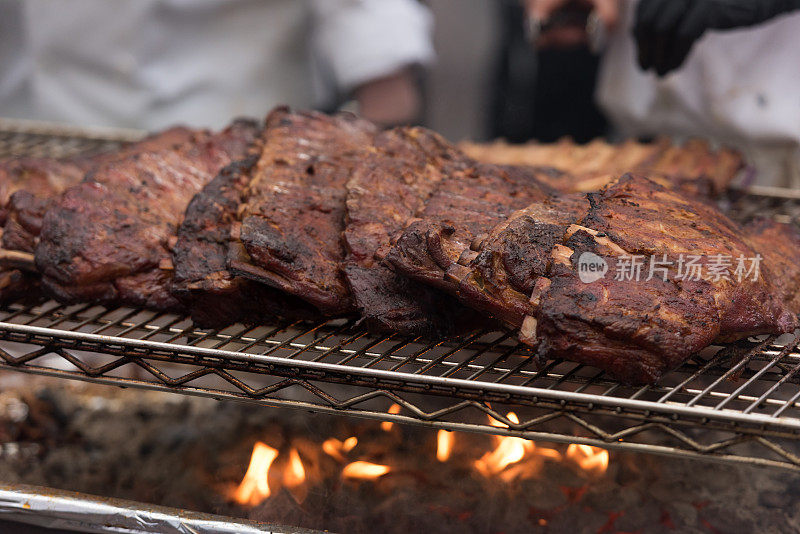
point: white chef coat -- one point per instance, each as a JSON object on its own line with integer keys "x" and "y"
{"x": 151, "y": 63}
{"x": 740, "y": 87}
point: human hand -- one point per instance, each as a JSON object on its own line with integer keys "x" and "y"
{"x": 564, "y": 23}
{"x": 666, "y": 30}
{"x": 390, "y": 100}
{"x": 607, "y": 10}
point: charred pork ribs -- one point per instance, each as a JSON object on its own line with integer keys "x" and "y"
{"x": 693, "y": 167}
{"x": 108, "y": 238}
{"x": 528, "y": 271}
{"x": 388, "y": 189}
{"x": 293, "y": 211}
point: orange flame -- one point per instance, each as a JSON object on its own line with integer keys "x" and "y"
{"x": 349, "y": 443}
{"x": 495, "y": 422}
{"x": 254, "y": 487}
{"x": 295, "y": 472}
{"x": 592, "y": 459}
{"x": 394, "y": 409}
{"x": 511, "y": 450}
{"x": 444, "y": 445}
{"x": 364, "y": 470}
{"x": 335, "y": 448}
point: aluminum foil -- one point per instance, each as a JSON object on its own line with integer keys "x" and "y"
{"x": 57, "y": 509}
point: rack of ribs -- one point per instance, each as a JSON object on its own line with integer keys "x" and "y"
{"x": 527, "y": 272}
{"x": 28, "y": 188}
{"x": 312, "y": 216}
{"x": 693, "y": 166}
{"x": 202, "y": 281}
{"x": 291, "y": 219}
{"x": 27, "y": 185}
{"x": 389, "y": 187}
{"x": 107, "y": 239}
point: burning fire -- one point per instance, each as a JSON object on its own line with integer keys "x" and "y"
{"x": 444, "y": 445}
{"x": 511, "y": 450}
{"x": 337, "y": 449}
{"x": 295, "y": 473}
{"x": 511, "y": 458}
{"x": 591, "y": 459}
{"x": 394, "y": 409}
{"x": 364, "y": 470}
{"x": 254, "y": 487}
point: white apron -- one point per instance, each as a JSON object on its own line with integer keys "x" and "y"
{"x": 740, "y": 87}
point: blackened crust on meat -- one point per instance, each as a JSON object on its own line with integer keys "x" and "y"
{"x": 108, "y": 238}
{"x": 202, "y": 280}
{"x": 389, "y": 187}
{"x": 501, "y": 273}
{"x": 27, "y": 185}
{"x": 292, "y": 217}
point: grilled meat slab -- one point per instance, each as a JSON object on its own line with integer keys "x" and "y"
{"x": 388, "y": 188}
{"x": 26, "y": 187}
{"x": 33, "y": 184}
{"x": 108, "y": 238}
{"x": 292, "y": 217}
{"x": 474, "y": 198}
{"x": 635, "y": 329}
{"x": 29, "y": 186}
{"x": 779, "y": 244}
{"x": 693, "y": 167}
{"x": 202, "y": 282}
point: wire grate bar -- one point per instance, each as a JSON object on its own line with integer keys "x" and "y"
{"x": 765, "y": 397}
{"x": 787, "y": 404}
{"x": 715, "y": 361}
{"x": 439, "y": 359}
{"x": 741, "y": 363}
{"x": 753, "y": 379}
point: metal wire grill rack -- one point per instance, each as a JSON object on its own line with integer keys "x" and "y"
{"x": 737, "y": 402}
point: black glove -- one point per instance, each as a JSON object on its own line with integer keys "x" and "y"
{"x": 665, "y": 30}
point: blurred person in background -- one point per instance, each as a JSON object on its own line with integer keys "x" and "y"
{"x": 545, "y": 91}
{"x": 727, "y": 70}
{"x": 152, "y": 63}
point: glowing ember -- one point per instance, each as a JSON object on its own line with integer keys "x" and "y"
{"x": 335, "y": 448}
{"x": 254, "y": 487}
{"x": 593, "y": 459}
{"x": 295, "y": 472}
{"x": 364, "y": 470}
{"x": 444, "y": 445}
{"x": 394, "y": 409}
